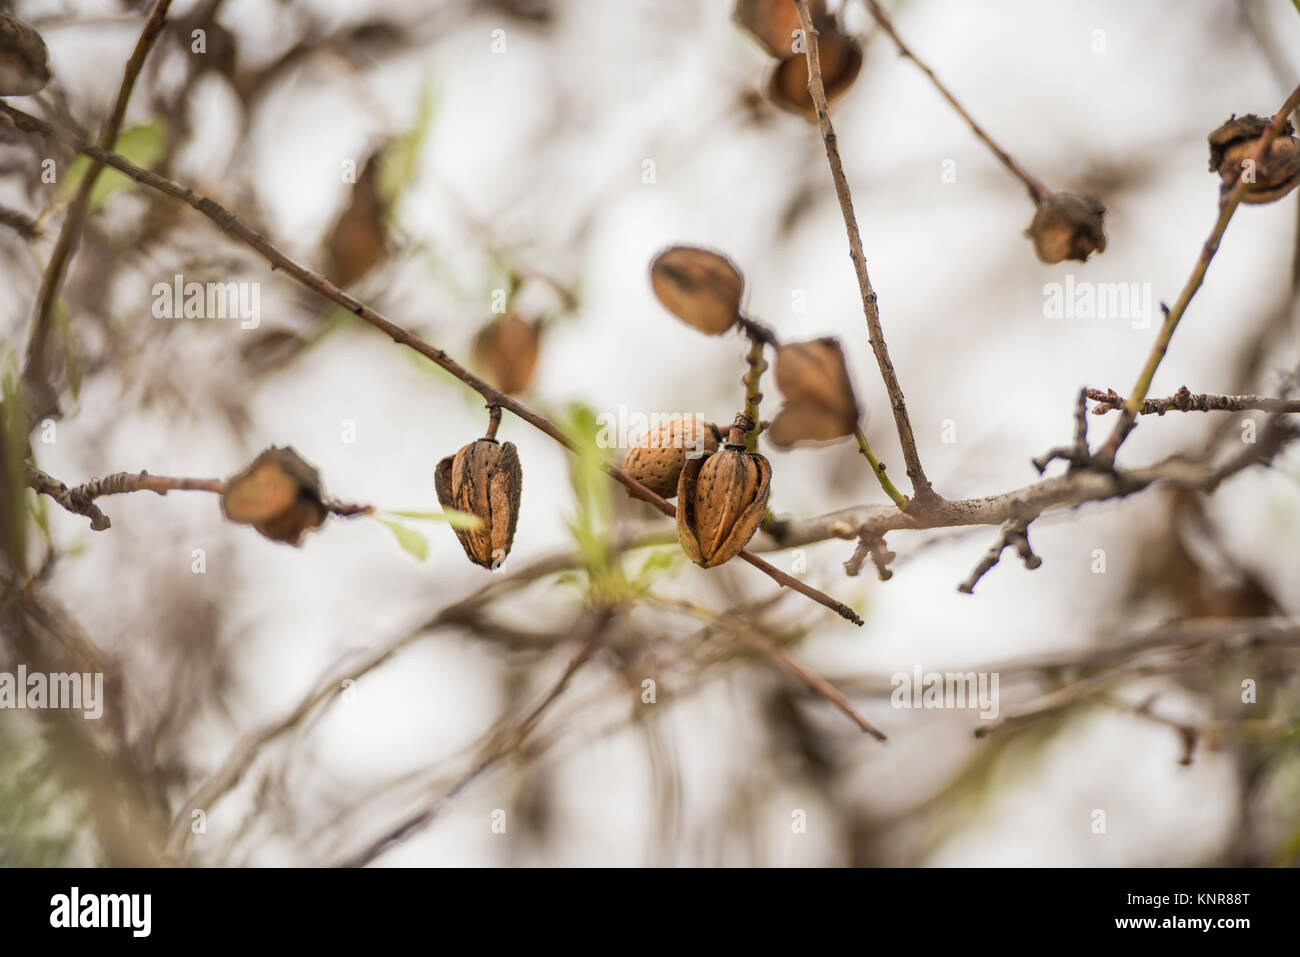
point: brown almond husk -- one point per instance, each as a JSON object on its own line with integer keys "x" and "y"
{"x": 721, "y": 501}
{"x": 820, "y": 405}
{"x": 700, "y": 287}
{"x": 483, "y": 479}
{"x": 279, "y": 494}
{"x": 1235, "y": 142}
{"x": 359, "y": 240}
{"x": 1068, "y": 226}
{"x": 841, "y": 61}
{"x": 24, "y": 60}
{"x": 658, "y": 457}
{"x": 773, "y": 23}
{"x": 507, "y": 347}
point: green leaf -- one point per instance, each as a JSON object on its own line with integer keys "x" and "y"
{"x": 400, "y": 160}
{"x": 13, "y": 473}
{"x": 142, "y": 145}
{"x": 453, "y": 517}
{"x": 411, "y": 541}
{"x": 659, "y": 560}
{"x": 40, "y": 512}
{"x": 71, "y": 357}
{"x": 593, "y": 509}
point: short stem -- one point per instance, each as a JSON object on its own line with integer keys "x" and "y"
{"x": 741, "y": 427}
{"x": 878, "y": 469}
{"x": 757, "y": 366}
{"x": 494, "y": 421}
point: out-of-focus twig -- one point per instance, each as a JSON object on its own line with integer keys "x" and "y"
{"x": 750, "y": 636}
{"x": 36, "y": 369}
{"x": 504, "y": 743}
{"x": 81, "y": 499}
{"x": 1037, "y": 191}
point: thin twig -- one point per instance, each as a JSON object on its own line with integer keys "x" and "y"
{"x": 233, "y": 226}
{"x": 20, "y": 223}
{"x": 1013, "y": 535}
{"x": 36, "y": 368}
{"x": 81, "y": 499}
{"x": 750, "y": 636}
{"x": 878, "y": 469}
{"x": 1058, "y": 492}
{"x": 1186, "y": 401}
{"x": 1037, "y": 191}
{"x": 1077, "y": 454}
{"x": 502, "y": 745}
{"x": 1175, "y": 314}
{"x": 756, "y": 365}
{"x": 922, "y": 491}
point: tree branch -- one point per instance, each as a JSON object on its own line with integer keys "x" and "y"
{"x": 1037, "y": 191}
{"x": 233, "y": 226}
{"x": 1186, "y": 401}
{"x": 1174, "y": 315}
{"x": 36, "y": 367}
{"x": 81, "y": 499}
{"x": 923, "y": 492}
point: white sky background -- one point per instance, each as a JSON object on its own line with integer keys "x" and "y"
{"x": 555, "y": 130}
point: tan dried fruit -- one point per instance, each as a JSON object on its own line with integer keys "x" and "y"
{"x": 359, "y": 241}
{"x": 699, "y": 287}
{"x": 507, "y": 348}
{"x": 819, "y": 401}
{"x": 483, "y": 479}
{"x": 721, "y": 498}
{"x": 657, "y": 459}
{"x": 841, "y": 61}
{"x": 1068, "y": 226}
{"x": 773, "y": 23}
{"x": 1234, "y": 143}
{"x": 279, "y": 495}
{"x": 24, "y": 60}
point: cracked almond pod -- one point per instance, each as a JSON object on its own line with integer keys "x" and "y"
{"x": 658, "y": 457}
{"x": 819, "y": 401}
{"x": 1068, "y": 226}
{"x": 279, "y": 494}
{"x": 483, "y": 479}
{"x": 773, "y": 23}
{"x": 507, "y": 348}
{"x": 1235, "y": 142}
{"x": 721, "y": 498}
{"x": 24, "y": 61}
{"x": 699, "y": 287}
{"x": 841, "y": 61}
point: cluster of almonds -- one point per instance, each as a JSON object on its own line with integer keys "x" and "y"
{"x": 722, "y": 492}
{"x": 775, "y": 25}
{"x": 1234, "y": 143}
{"x": 24, "y": 61}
